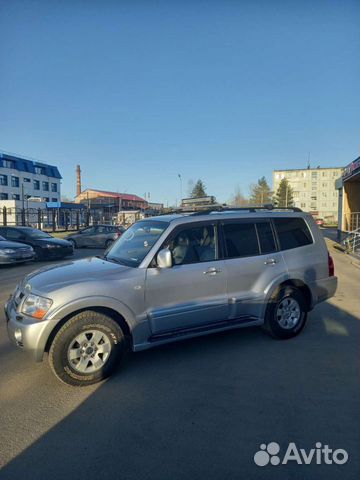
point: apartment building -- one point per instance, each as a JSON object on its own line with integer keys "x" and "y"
{"x": 314, "y": 190}
{"x": 23, "y": 179}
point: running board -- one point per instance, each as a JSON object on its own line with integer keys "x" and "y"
{"x": 203, "y": 328}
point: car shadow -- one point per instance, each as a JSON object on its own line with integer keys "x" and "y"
{"x": 200, "y": 408}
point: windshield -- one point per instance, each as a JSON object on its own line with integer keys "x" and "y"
{"x": 134, "y": 244}
{"x": 33, "y": 233}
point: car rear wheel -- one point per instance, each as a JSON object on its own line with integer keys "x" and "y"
{"x": 86, "y": 349}
{"x": 286, "y": 313}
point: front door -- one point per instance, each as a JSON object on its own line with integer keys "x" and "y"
{"x": 192, "y": 292}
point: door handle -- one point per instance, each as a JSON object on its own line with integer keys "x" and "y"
{"x": 212, "y": 271}
{"x": 270, "y": 261}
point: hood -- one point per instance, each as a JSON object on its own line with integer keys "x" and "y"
{"x": 14, "y": 245}
{"x": 73, "y": 273}
{"x": 56, "y": 241}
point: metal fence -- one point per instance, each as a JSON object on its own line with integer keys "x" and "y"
{"x": 46, "y": 219}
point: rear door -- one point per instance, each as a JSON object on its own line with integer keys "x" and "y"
{"x": 193, "y": 292}
{"x": 86, "y": 238}
{"x": 102, "y": 234}
{"x": 253, "y": 263}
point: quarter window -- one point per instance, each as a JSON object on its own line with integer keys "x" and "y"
{"x": 292, "y": 233}
{"x": 240, "y": 240}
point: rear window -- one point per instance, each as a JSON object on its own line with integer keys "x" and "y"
{"x": 292, "y": 233}
{"x": 240, "y": 240}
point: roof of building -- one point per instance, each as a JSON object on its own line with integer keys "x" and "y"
{"x": 305, "y": 169}
{"x": 28, "y": 165}
{"x": 122, "y": 196}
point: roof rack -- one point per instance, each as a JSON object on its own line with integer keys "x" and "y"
{"x": 227, "y": 208}
{"x": 251, "y": 209}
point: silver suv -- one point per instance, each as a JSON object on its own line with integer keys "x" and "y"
{"x": 169, "y": 278}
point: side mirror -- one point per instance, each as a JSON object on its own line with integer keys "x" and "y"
{"x": 164, "y": 258}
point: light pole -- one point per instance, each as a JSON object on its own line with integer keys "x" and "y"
{"x": 180, "y": 179}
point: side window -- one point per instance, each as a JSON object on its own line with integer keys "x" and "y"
{"x": 14, "y": 234}
{"x": 240, "y": 240}
{"x": 89, "y": 231}
{"x": 194, "y": 245}
{"x": 266, "y": 237}
{"x": 102, "y": 230}
{"x": 292, "y": 233}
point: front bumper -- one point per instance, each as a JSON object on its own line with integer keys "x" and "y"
{"x": 10, "y": 258}
{"x": 57, "y": 252}
{"x": 27, "y": 333}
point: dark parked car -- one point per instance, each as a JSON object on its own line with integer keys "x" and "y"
{"x": 44, "y": 245}
{"x": 97, "y": 236}
{"x": 14, "y": 252}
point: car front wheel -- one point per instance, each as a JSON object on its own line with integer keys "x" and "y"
{"x": 286, "y": 313}
{"x": 86, "y": 349}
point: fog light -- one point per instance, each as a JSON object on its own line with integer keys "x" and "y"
{"x": 18, "y": 335}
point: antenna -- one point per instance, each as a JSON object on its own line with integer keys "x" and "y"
{"x": 308, "y": 162}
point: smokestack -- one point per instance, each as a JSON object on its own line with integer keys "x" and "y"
{"x": 78, "y": 180}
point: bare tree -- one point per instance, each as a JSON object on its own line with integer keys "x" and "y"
{"x": 238, "y": 199}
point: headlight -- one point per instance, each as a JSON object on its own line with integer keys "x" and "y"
{"x": 7, "y": 250}
{"x": 36, "y": 306}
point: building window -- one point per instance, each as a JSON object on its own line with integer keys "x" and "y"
{"x": 4, "y": 196}
{"x": 303, "y": 205}
{"x": 54, "y": 187}
{"x": 45, "y": 186}
{"x": 36, "y": 185}
{"x": 14, "y": 181}
{"x": 46, "y": 199}
{"x": 16, "y": 196}
{"x": 39, "y": 170}
{"x": 3, "y": 180}
{"x": 27, "y": 180}
{"x": 54, "y": 199}
{"x": 9, "y": 163}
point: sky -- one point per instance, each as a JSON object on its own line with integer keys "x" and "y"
{"x": 138, "y": 92}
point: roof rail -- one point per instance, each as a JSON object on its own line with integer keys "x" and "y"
{"x": 251, "y": 209}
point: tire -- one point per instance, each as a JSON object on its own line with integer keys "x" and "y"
{"x": 108, "y": 243}
{"x": 86, "y": 349}
{"x": 71, "y": 240}
{"x": 286, "y": 302}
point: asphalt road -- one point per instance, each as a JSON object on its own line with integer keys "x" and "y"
{"x": 197, "y": 409}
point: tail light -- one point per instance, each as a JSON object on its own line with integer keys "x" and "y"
{"x": 331, "y": 265}
{"x": 117, "y": 234}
